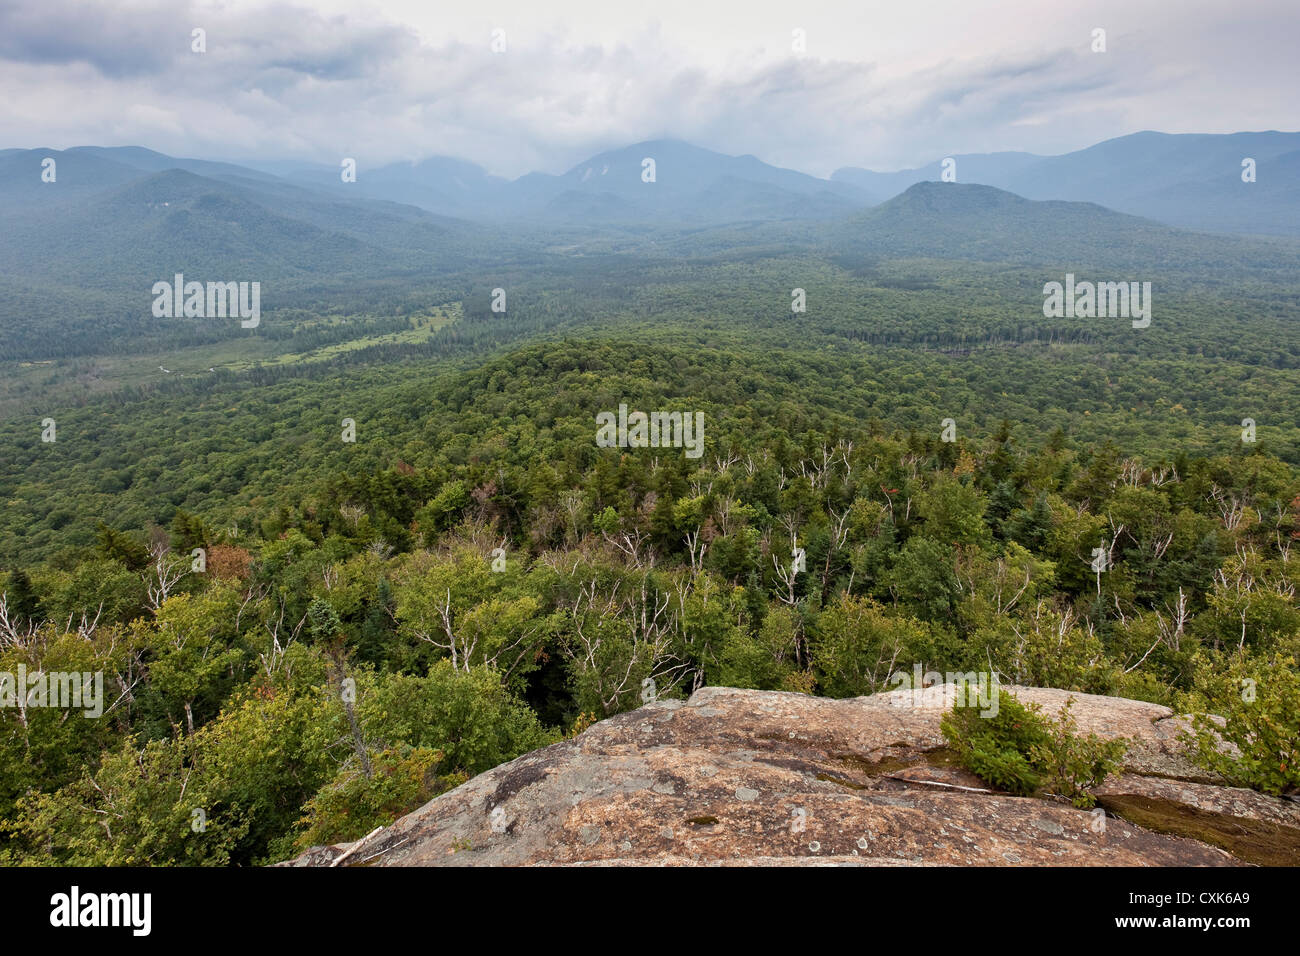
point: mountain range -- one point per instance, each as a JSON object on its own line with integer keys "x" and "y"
{"x": 1188, "y": 180}
{"x": 115, "y": 220}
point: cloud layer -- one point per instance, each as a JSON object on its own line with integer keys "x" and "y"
{"x": 280, "y": 80}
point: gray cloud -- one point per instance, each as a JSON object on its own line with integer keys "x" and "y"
{"x": 280, "y": 80}
{"x": 63, "y": 33}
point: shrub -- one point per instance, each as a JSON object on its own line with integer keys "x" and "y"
{"x": 997, "y": 748}
{"x": 468, "y": 716}
{"x": 1074, "y": 764}
{"x": 1260, "y": 708}
{"x": 352, "y": 805}
{"x": 1021, "y": 751}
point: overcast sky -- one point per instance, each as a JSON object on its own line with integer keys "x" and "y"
{"x": 881, "y": 85}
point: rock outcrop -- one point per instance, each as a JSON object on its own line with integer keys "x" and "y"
{"x": 741, "y": 777}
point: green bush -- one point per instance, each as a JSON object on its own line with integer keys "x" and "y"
{"x": 1074, "y": 764}
{"x": 1021, "y": 751}
{"x": 468, "y": 716}
{"x": 1260, "y": 706}
{"x": 352, "y": 805}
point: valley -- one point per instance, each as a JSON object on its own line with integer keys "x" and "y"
{"x": 416, "y": 477}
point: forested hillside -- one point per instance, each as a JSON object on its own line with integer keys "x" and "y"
{"x": 303, "y": 636}
{"x": 1191, "y": 180}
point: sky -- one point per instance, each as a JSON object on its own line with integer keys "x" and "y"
{"x": 876, "y": 85}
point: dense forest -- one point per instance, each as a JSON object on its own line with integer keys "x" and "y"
{"x": 494, "y": 580}
{"x": 336, "y": 566}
